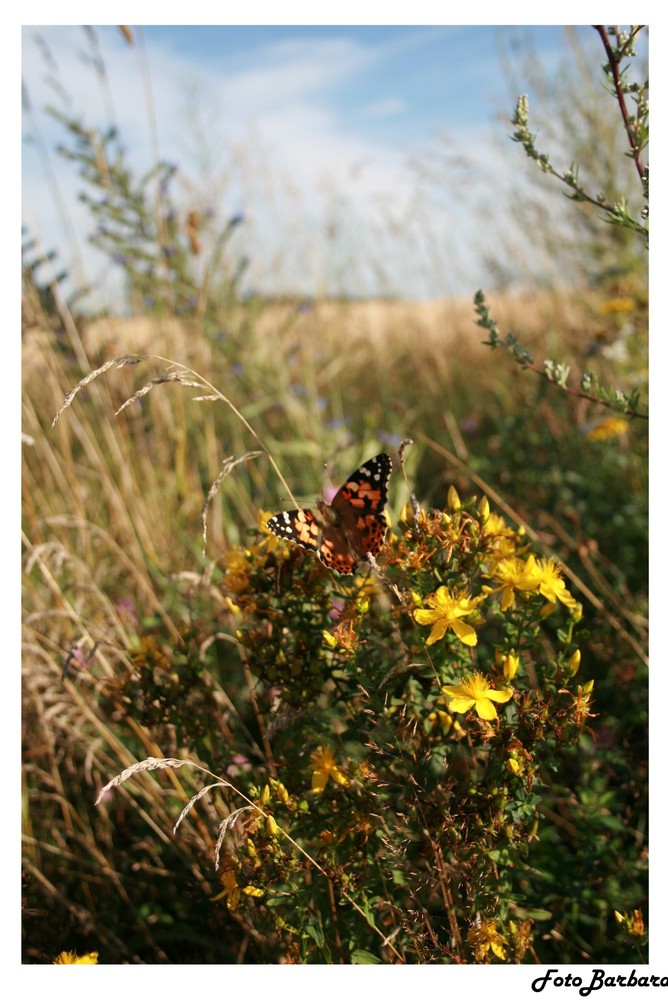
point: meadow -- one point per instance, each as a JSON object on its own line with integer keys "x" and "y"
{"x": 232, "y": 754}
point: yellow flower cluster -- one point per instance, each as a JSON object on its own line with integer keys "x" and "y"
{"x": 71, "y": 958}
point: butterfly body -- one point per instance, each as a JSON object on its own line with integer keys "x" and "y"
{"x": 344, "y": 532}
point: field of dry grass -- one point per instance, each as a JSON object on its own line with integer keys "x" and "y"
{"x": 383, "y": 327}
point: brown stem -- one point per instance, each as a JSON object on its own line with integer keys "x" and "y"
{"x": 614, "y": 69}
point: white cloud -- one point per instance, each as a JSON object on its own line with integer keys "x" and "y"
{"x": 280, "y": 139}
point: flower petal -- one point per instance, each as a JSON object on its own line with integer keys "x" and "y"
{"x": 461, "y": 703}
{"x": 485, "y": 709}
{"x": 505, "y": 694}
{"x": 465, "y": 633}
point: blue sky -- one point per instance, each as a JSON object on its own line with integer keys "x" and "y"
{"x": 360, "y": 156}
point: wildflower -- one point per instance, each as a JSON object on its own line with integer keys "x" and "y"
{"x": 514, "y": 575}
{"x": 280, "y": 790}
{"x": 521, "y": 934}
{"x": 483, "y": 510}
{"x": 148, "y": 655}
{"x": 494, "y": 523}
{"x": 550, "y": 582}
{"x": 71, "y": 958}
{"x": 515, "y": 765}
{"x": 446, "y": 720}
{"x": 236, "y": 570}
{"x": 230, "y": 890}
{"x": 447, "y": 610}
{"x": 607, "y": 429}
{"x": 252, "y": 890}
{"x": 127, "y": 611}
{"x": 486, "y": 938}
{"x": 632, "y": 923}
{"x": 582, "y": 702}
{"x": 475, "y": 691}
{"x": 343, "y": 637}
{"x": 325, "y": 767}
{"x": 272, "y": 826}
{"x": 622, "y": 304}
{"x": 454, "y": 503}
{"x": 573, "y": 664}
{"x": 510, "y": 666}
{"x": 575, "y": 613}
{"x": 271, "y": 542}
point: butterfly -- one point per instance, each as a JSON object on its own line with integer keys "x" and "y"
{"x": 353, "y": 525}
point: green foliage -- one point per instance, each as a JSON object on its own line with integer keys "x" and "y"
{"x": 557, "y": 371}
{"x": 573, "y": 137}
{"x": 140, "y": 230}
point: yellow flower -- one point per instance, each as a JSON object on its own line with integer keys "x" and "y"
{"x": 510, "y": 666}
{"x": 607, "y": 429}
{"x": 446, "y": 720}
{"x": 71, "y": 958}
{"x": 252, "y": 890}
{"x": 230, "y": 889}
{"x": 573, "y": 664}
{"x": 551, "y": 584}
{"x": 330, "y": 638}
{"x": 621, "y": 304}
{"x": 271, "y": 542}
{"x": 272, "y": 826}
{"x": 514, "y": 574}
{"x": 233, "y": 890}
{"x": 281, "y": 791}
{"x": 237, "y": 566}
{"x": 632, "y": 923}
{"x": 485, "y": 938}
{"x": 582, "y": 702}
{"x": 148, "y": 655}
{"x": 475, "y": 691}
{"x": 325, "y": 767}
{"x": 447, "y": 611}
{"x": 504, "y": 539}
{"x": 515, "y": 765}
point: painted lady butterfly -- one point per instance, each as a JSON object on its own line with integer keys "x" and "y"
{"x": 343, "y": 532}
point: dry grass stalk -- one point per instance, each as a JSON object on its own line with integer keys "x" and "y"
{"x": 179, "y": 377}
{"x": 114, "y": 363}
{"x": 150, "y": 764}
{"x": 195, "y": 798}
{"x": 227, "y": 823}
{"x": 228, "y": 465}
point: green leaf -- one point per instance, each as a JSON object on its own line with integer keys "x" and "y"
{"x": 361, "y": 957}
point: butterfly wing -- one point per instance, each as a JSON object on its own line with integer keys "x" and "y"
{"x": 353, "y": 527}
{"x": 298, "y": 526}
{"x": 366, "y": 489}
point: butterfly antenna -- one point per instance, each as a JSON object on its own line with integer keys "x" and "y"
{"x": 406, "y": 443}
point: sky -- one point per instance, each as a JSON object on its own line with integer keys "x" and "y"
{"x": 361, "y": 158}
